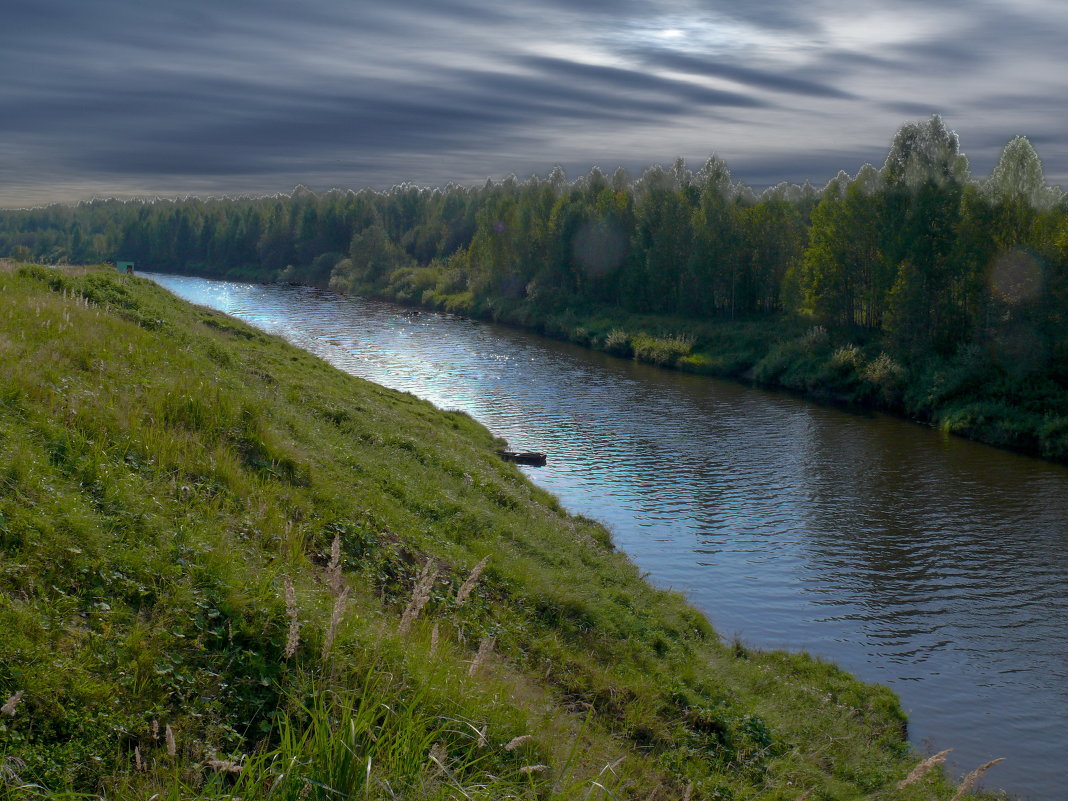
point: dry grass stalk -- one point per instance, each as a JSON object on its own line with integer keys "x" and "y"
{"x": 528, "y": 769}
{"x": 689, "y": 792}
{"x": 335, "y": 621}
{"x": 438, "y": 755}
{"x": 293, "y": 637}
{"x": 420, "y": 596}
{"x": 172, "y": 744}
{"x": 973, "y": 777}
{"x": 12, "y": 704}
{"x": 654, "y": 793}
{"x": 9, "y": 767}
{"x": 469, "y": 584}
{"x": 434, "y": 639}
{"x": 334, "y": 570}
{"x": 515, "y": 742}
{"x": 223, "y": 766}
{"x": 485, "y": 648}
{"x": 924, "y": 767}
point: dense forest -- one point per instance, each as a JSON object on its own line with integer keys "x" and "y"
{"x": 906, "y": 286}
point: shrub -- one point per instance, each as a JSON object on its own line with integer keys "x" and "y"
{"x": 885, "y": 377}
{"x": 663, "y": 351}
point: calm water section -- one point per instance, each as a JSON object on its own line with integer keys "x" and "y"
{"x": 931, "y": 564}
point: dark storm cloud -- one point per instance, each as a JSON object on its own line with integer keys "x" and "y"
{"x": 156, "y": 94}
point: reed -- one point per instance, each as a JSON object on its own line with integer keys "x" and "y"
{"x": 969, "y": 781}
{"x": 923, "y": 768}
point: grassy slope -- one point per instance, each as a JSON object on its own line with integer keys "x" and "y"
{"x": 164, "y": 469}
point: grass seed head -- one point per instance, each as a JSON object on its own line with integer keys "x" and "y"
{"x": 485, "y": 648}
{"x": 923, "y": 768}
{"x": 438, "y": 755}
{"x": 469, "y": 584}
{"x": 223, "y": 766}
{"x": 293, "y": 637}
{"x": 515, "y": 742}
{"x": 335, "y": 621}
{"x": 334, "y": 570}
{"x": 973, "y": 777}
{"x": 420, "y": 596}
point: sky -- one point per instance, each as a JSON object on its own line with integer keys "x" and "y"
{"x": 120, "y": 98}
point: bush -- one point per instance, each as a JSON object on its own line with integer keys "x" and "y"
{"x": 885, "y": 378}
{"x": 618, "y": 343}
{"x": 663, "y": 351}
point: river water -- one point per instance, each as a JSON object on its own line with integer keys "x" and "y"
{"x": 928, "y": 563}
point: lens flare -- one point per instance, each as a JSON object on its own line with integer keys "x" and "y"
{"x": 1015, "y": 276}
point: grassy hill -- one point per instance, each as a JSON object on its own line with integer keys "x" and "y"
{"x": 229, "y": 570}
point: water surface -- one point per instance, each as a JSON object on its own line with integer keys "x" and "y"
{"x": 931, "y": 564}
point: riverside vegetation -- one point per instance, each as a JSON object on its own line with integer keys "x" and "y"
{"x": 913, "y": 287}
{"x": 228, "y": 570}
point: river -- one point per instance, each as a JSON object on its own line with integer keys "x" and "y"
{"x": 928, "y": 563}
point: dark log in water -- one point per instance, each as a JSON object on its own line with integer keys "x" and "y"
{"x": 531, "y": 458}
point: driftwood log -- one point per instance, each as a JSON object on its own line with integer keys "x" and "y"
{"x": 523, "y": 457}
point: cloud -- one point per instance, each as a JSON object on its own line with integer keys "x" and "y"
{"x": 158, "y": 96}
{"x": 620, "y": 80}
{"x": 774, "y": 81}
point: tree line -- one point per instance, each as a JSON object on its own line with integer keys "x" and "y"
{"x": 918, "y": 250}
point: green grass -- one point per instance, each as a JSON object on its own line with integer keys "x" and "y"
{"x": 165, "y": 470}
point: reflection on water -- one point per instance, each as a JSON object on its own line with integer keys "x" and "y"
{"x": 931, "y": 564}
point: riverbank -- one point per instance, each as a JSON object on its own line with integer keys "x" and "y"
{"x": 998, "y": 394}
{"x": 172, "y": 473}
